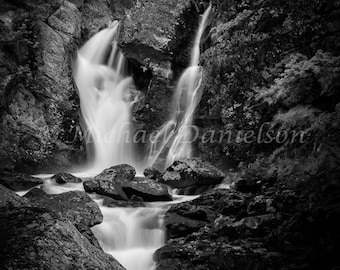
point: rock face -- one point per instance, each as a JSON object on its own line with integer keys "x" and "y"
{"x": 96, "y": 15}
{"x": 19, "y": 181}
{"x": 38, "y": 124}
{"x": 156, "y": 35}
{"x": 274, "y": 228}
{"x": 36, "y": 238}
{"x": 191, "y": 172}
{"x": 41, "y": 231}
{"x": 155, "y": 31}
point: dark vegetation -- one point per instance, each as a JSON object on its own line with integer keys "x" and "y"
{"x": 275, "y": 64}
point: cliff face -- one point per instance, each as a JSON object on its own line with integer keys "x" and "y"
{"x": 39, "y": 102}
{"x": 157, "y": 36}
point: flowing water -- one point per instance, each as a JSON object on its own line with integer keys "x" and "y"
{"x": 175, "y": 137}
{"x": 105, "y": 93}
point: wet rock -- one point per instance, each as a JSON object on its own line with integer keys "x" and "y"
{"x": 19, "y": 181}
{"x": 63, "y": 178}
{"x": 147, "y": 189}
{"x": 36, "y": 238}
{"x": 179, "y": 226}
{"x": 106, "y": 188}
{"x": 152, "y": 173}
{"x": 9, "y": 199}
{"x": 109, "y": 202}
{"x": 96, "y": 15}
{"x": 190, "y": 172}
{"x": 118, "y": 172}
{"x": 77, "y": 206}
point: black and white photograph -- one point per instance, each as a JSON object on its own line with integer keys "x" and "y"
{"x": 169, "y": 134}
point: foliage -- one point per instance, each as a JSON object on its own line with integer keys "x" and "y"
{"x": 277, "y": 62}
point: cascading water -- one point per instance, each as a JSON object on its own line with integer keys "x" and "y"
{"x": 105, "y": 99}
{"x": 131, "y": 235}
{"x": 175, "y": 137}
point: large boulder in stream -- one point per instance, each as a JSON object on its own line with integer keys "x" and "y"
{"x": 191, "y": 172}
{"x": 63, "y": 178}
{"x": 37, "y": 238}
{"x": 119, "y": 183}
{"x": 146, "y": 189}
{"x": 105, "y": 187}
{"x": 117, "y": 172}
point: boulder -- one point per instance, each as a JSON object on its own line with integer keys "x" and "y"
{"x": 152, "y": 173}
{"x": 37, "y": 238}
{"x": 109, "y": 202}
{"x": 19, "y": 181}
{"x": 63, "y": 178}
{"x": 106, "y": 188}
{"x": 77, "y": 206}
{"x": 118, "y": 172}
{"x": 9, "y": 199}
{"x": 147, "y": 189}
{"x": 191, "y": 172}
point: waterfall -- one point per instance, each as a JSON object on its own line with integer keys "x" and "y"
{"x": 175, "y": 137}
{"x": 105, "y": 93}
{"x": 132, "y": 235}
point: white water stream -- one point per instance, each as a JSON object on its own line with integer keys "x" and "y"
{"x": 175, "y": 137}
{"x": 106, "y": 95}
